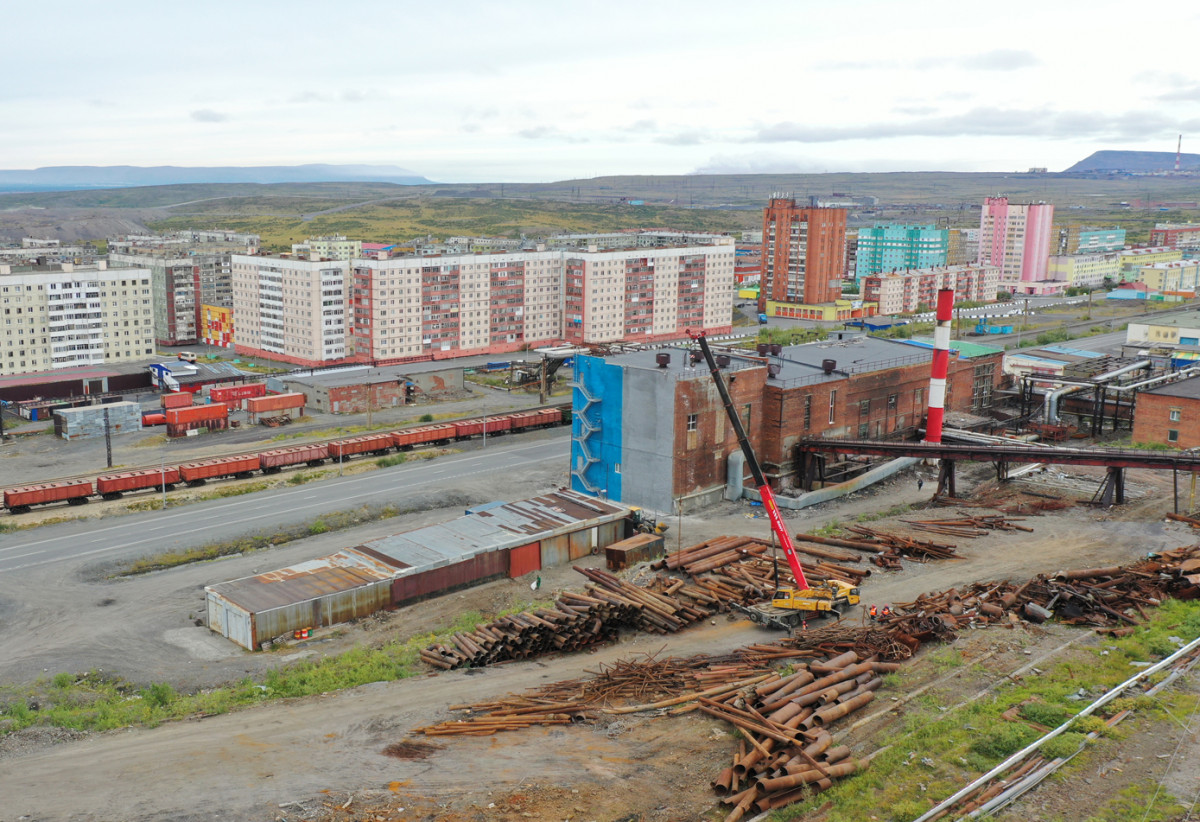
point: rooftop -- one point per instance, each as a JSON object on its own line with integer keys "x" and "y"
{"x": 365, "y": 375}
{"x": 1182, "y": 319}
{"x": 1188, "y": 389}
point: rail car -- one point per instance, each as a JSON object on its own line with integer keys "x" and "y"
{"x": 114, "y": 486}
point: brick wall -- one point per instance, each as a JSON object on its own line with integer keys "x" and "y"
{"x": 1152, "y": 420}
{"x": 702, "y": 454}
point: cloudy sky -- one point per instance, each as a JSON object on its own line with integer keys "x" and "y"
{"x": 525, "y": 90}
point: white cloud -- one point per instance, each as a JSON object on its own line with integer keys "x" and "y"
{"x": 207, "y": 115}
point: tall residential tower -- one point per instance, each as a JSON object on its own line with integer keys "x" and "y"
{"x": 803, "y": 253}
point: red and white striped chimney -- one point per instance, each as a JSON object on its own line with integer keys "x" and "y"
{"x": 940, "y": 365}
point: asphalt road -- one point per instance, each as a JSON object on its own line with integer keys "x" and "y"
{"x": 135, "y": 535}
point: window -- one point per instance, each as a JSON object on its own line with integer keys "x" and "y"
{"x": 1172, "y": 435}
{"x": 1174, "y": 415}
{"x": 832, "y": 405}
{"x": 891, "y": 401}
{"x": 693, "y": 421}
{"x": 807, "y": 412}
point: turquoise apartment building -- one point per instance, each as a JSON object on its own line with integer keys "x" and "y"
{"x": 884, "y": 248}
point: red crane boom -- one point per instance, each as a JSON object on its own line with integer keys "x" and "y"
{"x": 760, "y": 481}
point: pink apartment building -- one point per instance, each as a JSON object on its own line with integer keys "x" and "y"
{"x": 1016, "y": 238}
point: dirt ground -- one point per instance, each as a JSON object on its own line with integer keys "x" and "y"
{"x": 305, "y": 759}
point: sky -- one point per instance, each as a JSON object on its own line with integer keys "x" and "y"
{"x": 533, "y": 91}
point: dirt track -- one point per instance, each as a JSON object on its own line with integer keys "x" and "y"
{"x": 246, "y": 765}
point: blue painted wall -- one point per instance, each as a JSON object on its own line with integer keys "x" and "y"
{"x": 602, "y": 382}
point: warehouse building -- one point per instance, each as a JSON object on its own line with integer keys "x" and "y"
{"x": 90, "y": 421}
{"x": 488, "y": 542}
{"x": 352, "y": 390}
{"x": 649, "y": 428}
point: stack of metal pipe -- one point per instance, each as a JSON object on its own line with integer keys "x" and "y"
{"x": 787, "y": 749}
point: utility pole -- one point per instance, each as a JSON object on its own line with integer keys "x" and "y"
{"x": 542, "y": 382}
{"x": 107, "y": 438}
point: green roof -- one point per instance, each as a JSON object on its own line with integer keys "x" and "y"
{"x": 965, "y": 349}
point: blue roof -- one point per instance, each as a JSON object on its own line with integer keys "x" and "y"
{"x": 1078, "y": 352}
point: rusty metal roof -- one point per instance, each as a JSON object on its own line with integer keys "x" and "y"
{"x": 305, "y": 581}
{"x": 413, "y": 552}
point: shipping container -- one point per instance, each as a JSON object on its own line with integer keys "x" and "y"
{"x": 18, "y": 500}
{"x": 370, "y": 444}
{"x": 111, "y": 486}
{"x": 197, "y": 413}
{"x": 524, "y": 559}
{"x": 235, "y": 394}
{"x": 179, "y": 400}
{"x": 274, "y": 402}
{"x": 195, "y": 473}
{"x": 275, "y": 459}
{"x": 629, "y": 552}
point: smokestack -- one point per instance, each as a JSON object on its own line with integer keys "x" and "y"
{"x": 940, "y": 365}
{"x": 1178, "y": 150}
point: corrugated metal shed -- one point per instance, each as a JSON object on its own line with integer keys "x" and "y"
{"x": 401, "y": 567}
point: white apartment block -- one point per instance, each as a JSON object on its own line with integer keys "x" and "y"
{"x": 452, "y": 305}
{"x": 648, "y": 294}
{"x": 1084, "y": 270}
{"x": 74, "y": 316}
{"x": 290, "y": 309}
{"x": 916, "y": 290}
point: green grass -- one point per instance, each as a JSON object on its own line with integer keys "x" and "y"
{"x": 964, "y": 743}
{"x": 100, "y": 702}
{"x": 895, "y": 511}
{"x": 394, "y": 459}
{"x": 1140, "y": 802}
{"x": 243, "y": 545}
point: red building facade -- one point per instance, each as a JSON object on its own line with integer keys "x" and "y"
{"x": 803, "y": 253}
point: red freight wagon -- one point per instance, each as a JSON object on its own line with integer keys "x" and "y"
{"x": 111, "y": 486}
{"x": 498, "y": 425}
{"x": 524, "y": 419}
{"x": 274, "y": 402}
{"x": 195, "y": 473}
{"x": 198, "y": 413}
{"x": 275, "y": 459}
{"x": 18, "y": 500}
{"x": 549, "y": 417}
{"x": 464, "y": 429}
{"x": 372, "y": 443}
{"x": 180, "y": 400}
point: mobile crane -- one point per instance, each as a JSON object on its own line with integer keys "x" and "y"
{"x": 790, "y": 607}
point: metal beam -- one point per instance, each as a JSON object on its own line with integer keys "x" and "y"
{"x": 1107, "y": 457}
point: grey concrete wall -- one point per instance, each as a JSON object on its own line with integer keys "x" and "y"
{"x": 648, "y": 439}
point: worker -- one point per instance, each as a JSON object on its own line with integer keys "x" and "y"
{"x": 804, "y": 625}
{"x": 887, "y": 612}
{"x": 875, "y": 612}
{"x": 920, "y": 483}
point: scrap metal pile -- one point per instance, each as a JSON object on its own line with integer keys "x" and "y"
{"x": 784, "y": 720}
{"x": 1109, "y": 599}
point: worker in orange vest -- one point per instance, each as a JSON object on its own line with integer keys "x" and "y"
{"x": 874, "y": 612}
{"x": 887, "y": 612}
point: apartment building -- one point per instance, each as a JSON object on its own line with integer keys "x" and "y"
{"x": 804, "y": 251}
{"x": 74, "y": 315}
{"x": 333, "y": 247}
{"x": 1179, "y": 275}
{"x": 888, "y": 247}
{"x": 455, "y": 305}
{"x": 291, "y": 309}
{"x": 1176, "y": 235}
{"x": 1083, "y": 270}
{"x": 1076, "y": 239}
{"x": 1016, "y": 238}
{"x": 1133, "y": 260}
{"x": 911, "y": 291}
{"x": 962, "y": 246}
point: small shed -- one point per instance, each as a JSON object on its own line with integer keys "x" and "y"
{"x": 89, "y": 421}
{"x": 255, "y": 610}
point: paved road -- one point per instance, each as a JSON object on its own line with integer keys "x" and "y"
{"x": 135, "y": 535}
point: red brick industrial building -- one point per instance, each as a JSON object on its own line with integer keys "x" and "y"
{"x": 655, "y": 433}
{"x": 1169, "y": 415}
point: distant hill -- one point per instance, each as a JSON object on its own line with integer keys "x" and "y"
{"x": 70, "y": 178}
{"x": 1143, "y": 161}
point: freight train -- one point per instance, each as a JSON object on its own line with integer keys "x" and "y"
{"x": 114, "y": 486}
